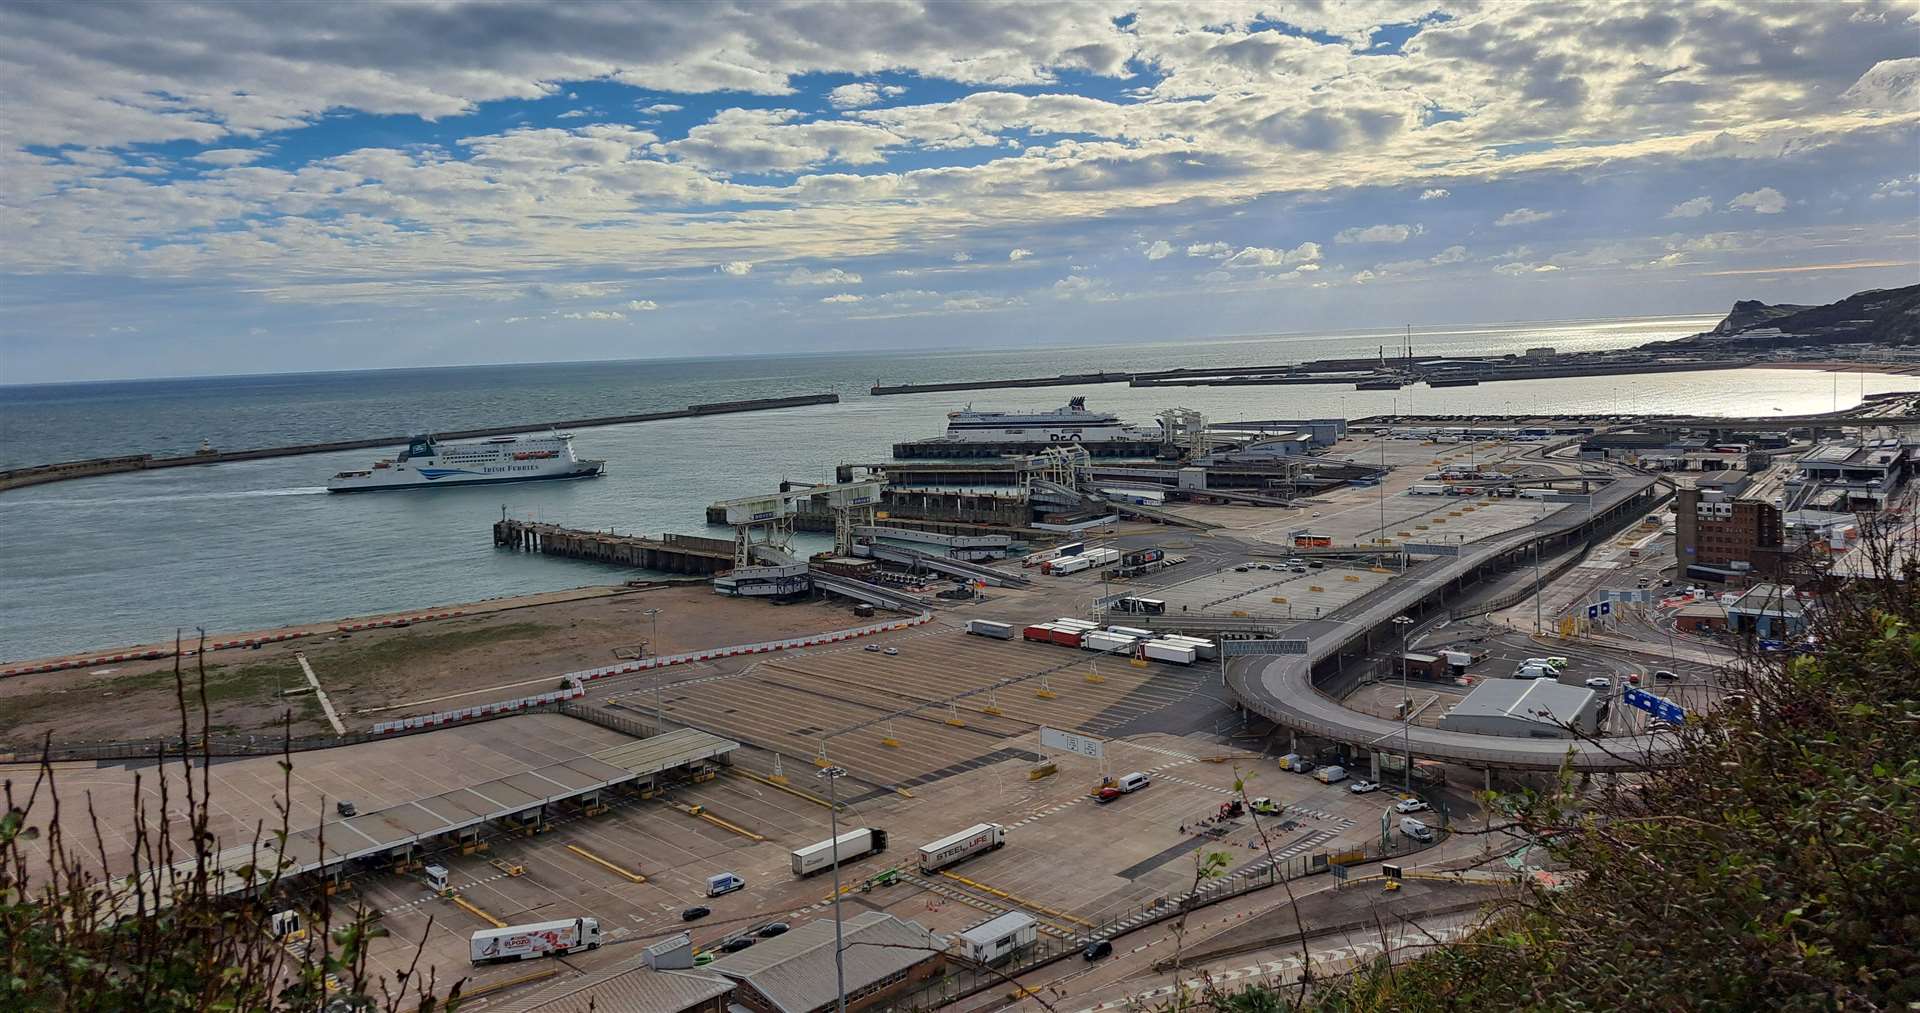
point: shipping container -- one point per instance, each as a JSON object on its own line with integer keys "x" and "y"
{"x": 1132, "y": 631}
{"x": 1427, "y": 490}
{"x": 972, "y": 841}
{"x": 988, "y": 628}
{"x": 539, "y": 939}
{"x": 1042, "y": 633}
{"x": 1077, "y": 625}
{"x": 1166, "y": 650}
{"x": 852, "y": 844}
{"x": 1065, "y": 638}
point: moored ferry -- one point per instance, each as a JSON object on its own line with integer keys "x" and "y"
{"x": 428, "y": 462}
{"x": 1072, "y": 424}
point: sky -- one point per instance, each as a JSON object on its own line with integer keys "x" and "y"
{"x": 192, "y": 189}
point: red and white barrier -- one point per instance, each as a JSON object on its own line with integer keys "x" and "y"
{"x": 104, "y": 659}
{"x": 375, "y": 624}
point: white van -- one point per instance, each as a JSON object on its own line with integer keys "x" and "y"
{"x": 1132, "y": 782}
{"x": 724, "y": 882}
{"x": 1415, "y": 829}
{"x": 1330, "y": 775}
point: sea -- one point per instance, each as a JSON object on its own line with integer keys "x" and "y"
{"x": 132, "y": 558}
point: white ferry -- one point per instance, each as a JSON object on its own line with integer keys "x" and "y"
{"x": 1072, "y": 424}
{"x": 428, "y": 462}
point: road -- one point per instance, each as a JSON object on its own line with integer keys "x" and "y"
{"x": 1281, "y": 689}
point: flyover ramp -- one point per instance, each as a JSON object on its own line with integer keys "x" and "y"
{"x": 1280, "y": 687}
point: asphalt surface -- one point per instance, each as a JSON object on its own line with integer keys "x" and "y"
{"x": 1280, "y": 687}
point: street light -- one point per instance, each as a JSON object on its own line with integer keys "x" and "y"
{"x": 833, "y": 776}
{"x": 1406, "y": 703}
{"x": 659, "y": 706}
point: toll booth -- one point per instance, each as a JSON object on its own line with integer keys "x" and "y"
{"x": 437, "y": 879}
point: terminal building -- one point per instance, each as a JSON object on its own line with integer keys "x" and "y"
{"x": 885, "y": 957}
{"x": 1720, "y": 537}
{"x": 1526, "y": 709}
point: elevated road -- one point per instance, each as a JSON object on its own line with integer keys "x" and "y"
{"x": 1283, "y": 689}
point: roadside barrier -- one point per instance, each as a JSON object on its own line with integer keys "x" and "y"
{"x": 104, "y": 659}
{"x": 576, "y": 681}
{"x": 375, "y": 624}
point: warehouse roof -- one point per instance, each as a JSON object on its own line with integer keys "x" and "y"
{"x": 1541, "y": 700}
{"x": 795, "y": 971}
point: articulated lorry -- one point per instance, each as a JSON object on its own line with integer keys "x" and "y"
{"x": 965, "y": 844}
{"x": 852, "y": 844}
{"x": 539, "y": 939}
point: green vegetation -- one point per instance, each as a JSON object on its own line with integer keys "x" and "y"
{"x": 80, "y": 933}
{"x": 353, "y": 665}
{"x": 1775, "y": 867}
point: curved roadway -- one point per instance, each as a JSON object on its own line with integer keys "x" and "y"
{"x": 1281, "y": 689}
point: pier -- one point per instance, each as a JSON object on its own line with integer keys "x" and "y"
{"x": 43, "y": 473}
{"x": 668, "y": 553}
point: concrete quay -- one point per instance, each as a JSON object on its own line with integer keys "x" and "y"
{"x": 670, "y": 553}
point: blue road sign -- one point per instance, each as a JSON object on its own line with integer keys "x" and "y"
{"x": 1606, "y": 608}
{"x": 1593, "y": 612}
{"x": 1660, "y": 707}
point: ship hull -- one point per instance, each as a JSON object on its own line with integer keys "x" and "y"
{"x": 585, "y": 470}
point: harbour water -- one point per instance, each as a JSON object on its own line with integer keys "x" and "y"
{"x": 130, "y": 558}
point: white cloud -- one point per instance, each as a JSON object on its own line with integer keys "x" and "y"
{"x": 1080, "y": 286}
{"x": 1437, "y": 193}
{"x": 1378, "y": 234}
{"x": 1519, "y": 268}
{"x": 1764, "y": 201}
{"x": 1523, "y": 216}
{"x": 1361, "y": 277}
{"x": 595, "y": 315}
{"x": 830, "y": 276}
{"x": 962, "y": 257}
{"x": 1259, "y": 256}
{"x": 842, "y": 297}
{"x": 1450, "y": 255}
{"x": 661, "y": 109}
{"x": 1160, "y": 250}
{"x": 737, "y": 267}
{"x": 1216, "y": 251}
{"x": 1903, "y": 188}
{"x": 559, "y": 291}
{"x": 862, "y": 93}
{"x": 576, "y": 114}
{"x": 642, "y": 305}
{"x": 1019, "y": 253}
{"x": 1693, "y": 208}
{"x": 229, "y": 156}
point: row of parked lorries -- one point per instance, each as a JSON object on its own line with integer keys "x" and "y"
{"x": 1128, "y": 640}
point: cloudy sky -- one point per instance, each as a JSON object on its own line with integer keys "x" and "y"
{"x": 232, "y": 187}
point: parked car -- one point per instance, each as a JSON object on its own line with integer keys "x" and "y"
{"x": 1314, "y": 564}
{"x": 1558, "y": 662}
{"x": 736, "y": 944}
{"x": 345, "y": 809}
{"x": 695, "y": 913}
{"x": 1363, "y": 787}
{"x": 1411, "y": 805}
{"x": 1099, "y": 949}
{"x": 1600, "y": 682}
{"x": 771, "y": 929}
{"x": 1633, "y": 678}
{"x": 891, "y": 651}
{"x": 875, "y": 648}
{"x": 1663, "y": 675}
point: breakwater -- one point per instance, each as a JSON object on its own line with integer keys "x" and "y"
{"x": 43, "y": 473}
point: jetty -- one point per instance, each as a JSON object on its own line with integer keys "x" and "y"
{"x": 40, "y": 474}
{"x": 669, "y": 553}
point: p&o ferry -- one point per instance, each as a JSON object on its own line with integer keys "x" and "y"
{"x": 428, "y": 462}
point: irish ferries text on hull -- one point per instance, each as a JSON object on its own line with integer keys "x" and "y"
{"x": 428, "y": 462}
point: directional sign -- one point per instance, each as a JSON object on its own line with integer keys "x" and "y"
{"x": 1593, "y": 612}
{"x": 1068, "y": 742}
{"x": 1431, "y": 549}
{"x": 1606, "y": 608}
{"x": 1660, "y": 707}
{"x": 1236, "y": 648}
{"x": 1392, "y": 872}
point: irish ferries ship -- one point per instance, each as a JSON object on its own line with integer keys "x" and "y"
{"x": 428, "y": 462}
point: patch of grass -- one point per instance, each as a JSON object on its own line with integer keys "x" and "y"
{"x": 351, "y": 664}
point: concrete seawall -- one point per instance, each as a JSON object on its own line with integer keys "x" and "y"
{"x": 44, "y": 473}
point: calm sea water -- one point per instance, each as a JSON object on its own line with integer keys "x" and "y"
{"x": 128, "y": 558}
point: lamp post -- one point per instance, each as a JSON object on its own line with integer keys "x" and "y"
{"x": 1406, "y": 703}
{"x": 659, "y": 705}
{"x": 833, "y": 775}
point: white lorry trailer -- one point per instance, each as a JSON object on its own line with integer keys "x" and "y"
{"x": 853, "y": 844}
{"x": 989, "y": 628}
{"x": 1169, "y": 651}
{"x": 965, "y": 844}
{"x": 538, "y": 939}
